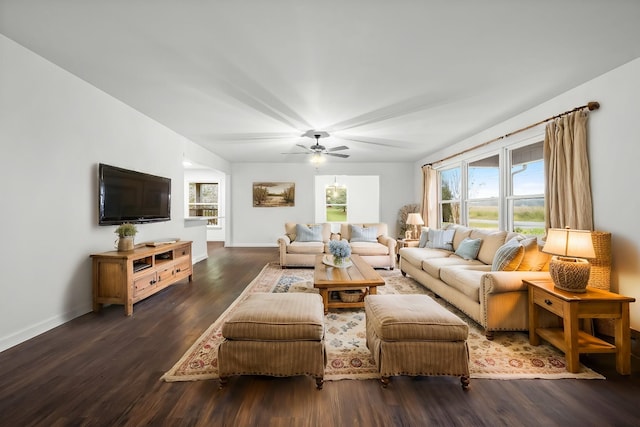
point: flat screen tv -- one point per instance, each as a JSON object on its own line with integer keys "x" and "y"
{"x": 130, "y": 196}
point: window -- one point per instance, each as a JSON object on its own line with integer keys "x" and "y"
{"x": 203, "y": 201}
{"x": 336, "y": 205}
{"x": 450, "y": 196}
{"x": 526, "y": 198}
{"x": 500, "y": 191}
{"x": 483, "y": 193}
{"x": 347, "y": 198}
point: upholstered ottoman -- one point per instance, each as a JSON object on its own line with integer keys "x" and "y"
{"x": 278, "y": 335}
{"x": 414, "y": 335}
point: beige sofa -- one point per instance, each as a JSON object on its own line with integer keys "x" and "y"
{"x": 379, "y": 253}
{"x": 497, "y": 300}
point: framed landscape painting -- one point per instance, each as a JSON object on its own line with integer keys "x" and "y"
{"x": 273, "y": 194}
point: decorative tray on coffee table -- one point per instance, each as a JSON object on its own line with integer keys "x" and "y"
{"x": 328, "y": 260}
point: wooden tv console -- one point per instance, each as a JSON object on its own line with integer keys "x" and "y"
{"x": 128, "y": 277}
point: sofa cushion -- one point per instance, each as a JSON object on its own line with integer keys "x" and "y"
{"x": 305, "y": 248}
{"x": 469, "y": 248}
{"x": 491, "y": 241}
{"x": 369, "y": 248}
{"x": 440, "y": 239}
{"x": 461, "y": 233}
{"x": 464, "y": 280}
{"x": 363, "y": 234}
{"x": 415, "y": 256}
{"x": 308, "y": 233}
{"x": 433, "y": 265}
{"x": 508, "y": 256}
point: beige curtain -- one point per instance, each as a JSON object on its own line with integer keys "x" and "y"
{"x": 568, "y": 188}
{"x": 429, "y": 208}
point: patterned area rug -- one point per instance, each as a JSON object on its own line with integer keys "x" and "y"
{"x": 508, "y": 356}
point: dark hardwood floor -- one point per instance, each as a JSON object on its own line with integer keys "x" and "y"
{"x": 104, "y": 370}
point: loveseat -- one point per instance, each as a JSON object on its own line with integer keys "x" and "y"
{"x": 478, "y": 271}
{"x": 301, "y": 243}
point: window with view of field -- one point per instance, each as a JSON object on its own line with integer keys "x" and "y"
{"x": 526, "y": 198}
{"x": 336, "y": 203}
{"x": 450, "y": 196}
{"x": 481, "y": 194}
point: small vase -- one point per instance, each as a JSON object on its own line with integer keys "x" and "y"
{"x": 125, "y": 243}
{"x": 338, "y": 261}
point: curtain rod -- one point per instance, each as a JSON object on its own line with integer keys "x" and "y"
{"x": 592, "y": 105}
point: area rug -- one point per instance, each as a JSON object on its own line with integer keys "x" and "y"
{"x": 508, "y": 356}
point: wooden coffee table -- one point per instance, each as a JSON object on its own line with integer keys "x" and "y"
{"x": 358, "y": 276}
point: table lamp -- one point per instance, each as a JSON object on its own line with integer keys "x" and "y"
{"x": 568, "y": 267}
{"x": 415, "y": 219}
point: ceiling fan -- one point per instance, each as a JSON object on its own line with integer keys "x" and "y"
{"x": 317, "y": 150}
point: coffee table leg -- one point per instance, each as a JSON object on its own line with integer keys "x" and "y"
{"x": 325, "y": 299}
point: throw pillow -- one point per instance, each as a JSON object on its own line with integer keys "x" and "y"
{"x": 469, "y": 248}
{"x": 440, "y": 239}
{"x": 364, "y": 234}
{"x": 533, "y": 259}
{"x": 424, "y": 237}
{"x": 312, "y": 233}
{"x": 508, "y": 256}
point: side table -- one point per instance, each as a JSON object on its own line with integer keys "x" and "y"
{"x": 405, "y": 243}
{"x": 595, "y": 303}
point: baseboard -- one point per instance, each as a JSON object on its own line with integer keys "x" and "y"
{"x": 41, "y": 327}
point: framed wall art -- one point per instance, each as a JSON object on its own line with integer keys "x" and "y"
{"x": 274, "y": 194}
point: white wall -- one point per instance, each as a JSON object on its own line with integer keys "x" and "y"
{"x": 262, "y": 226}
{"x": 614, "y": 150}
{"x": 54, "y": 130}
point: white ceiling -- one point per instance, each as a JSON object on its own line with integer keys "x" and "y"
{"x": 393, "y": 80}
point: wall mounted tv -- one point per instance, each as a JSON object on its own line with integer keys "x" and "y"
{"x": 130, "y": 196}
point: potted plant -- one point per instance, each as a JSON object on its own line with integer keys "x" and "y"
{"x": 126, "y": 233}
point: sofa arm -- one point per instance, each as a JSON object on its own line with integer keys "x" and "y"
{"x": 283, "y": 241}
{"x": 495, "y": 282}
{"x": 389, "y": 242}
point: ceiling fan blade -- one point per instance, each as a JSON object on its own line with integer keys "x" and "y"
{"x": 304, "y": 146}
{"x": 344, "y": 156}
{"x": 342, "y": 147}
{"x": 373, "y": 141}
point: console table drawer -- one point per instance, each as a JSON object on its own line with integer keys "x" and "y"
{"x": 183, "y": 266}
{"x": 144, "y": 282}
{"x": 549, "y": 302}
{"x": 166, "y": 274}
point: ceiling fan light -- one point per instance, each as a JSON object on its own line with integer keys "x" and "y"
{"x": 317, "y": 158}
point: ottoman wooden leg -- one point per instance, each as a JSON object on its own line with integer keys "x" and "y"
{"x": 319, "y": 383}
{"x": 385, "y": 381}
{"x": 465, "y": 382}
{"x": 223, "y": 383}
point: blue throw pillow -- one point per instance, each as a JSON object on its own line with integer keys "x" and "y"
{"x": 311, "y": 233}
{"x": 469, "y": 248}
{"x": 440, "y": 239}
{"x": 364, "y": 234}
